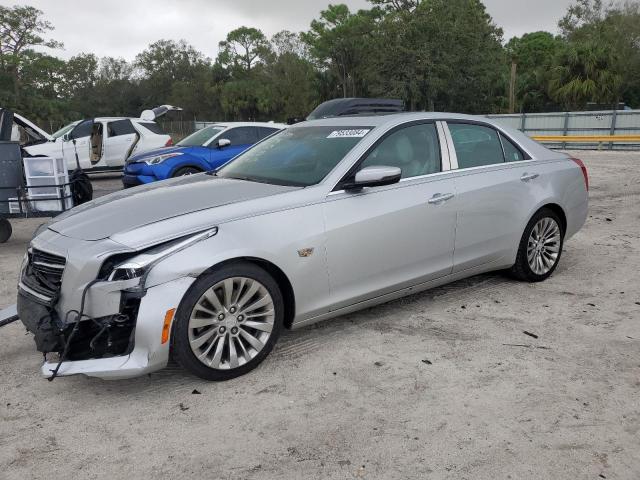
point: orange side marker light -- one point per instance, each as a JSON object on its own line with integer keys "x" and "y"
{"x": 166, "y": 328}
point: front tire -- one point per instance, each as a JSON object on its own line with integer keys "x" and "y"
{"x": 182, "y": 172}
{"x": 540, "y": 247}
{"x": 228, "y": 322}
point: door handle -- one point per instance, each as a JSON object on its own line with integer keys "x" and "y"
{"x": 439, "y": 198}
{"x": 529, "y": 176}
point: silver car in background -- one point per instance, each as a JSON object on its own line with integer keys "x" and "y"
{"x": 325, "y": 218}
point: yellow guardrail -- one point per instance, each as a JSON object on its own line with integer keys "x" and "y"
{"x": 587, "y": 138}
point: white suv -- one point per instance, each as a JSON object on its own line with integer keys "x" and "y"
{"x": 103, "y": 143}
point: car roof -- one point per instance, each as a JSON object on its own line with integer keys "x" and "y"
{"x": 249, "y": 124}
{"x": 391, "y": 119}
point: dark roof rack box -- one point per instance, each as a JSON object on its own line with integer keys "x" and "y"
{"x": 341, "y": 107}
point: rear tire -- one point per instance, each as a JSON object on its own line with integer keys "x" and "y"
{"x": 186, "y": 171}
{"x": 5, "y": 230}
{"x": 540, "y": 247}
{"x": 228, "y": 322}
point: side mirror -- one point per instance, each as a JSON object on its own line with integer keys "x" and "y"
{"x": 223, "y": 142}
{"x": 66, "y": 137}
{"x": 376, "y": 176}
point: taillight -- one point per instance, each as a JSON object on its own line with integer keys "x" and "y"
{"x": 584, "y": 171}
{"x": 169, "y": 142}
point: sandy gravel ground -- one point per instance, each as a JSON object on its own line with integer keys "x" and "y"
{"x": 424, "y": 387}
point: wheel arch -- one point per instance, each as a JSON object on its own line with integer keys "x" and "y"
{"x": 286, "y": 288}
{"x": 558, "y": 210}
{"x": 185, "y": 165}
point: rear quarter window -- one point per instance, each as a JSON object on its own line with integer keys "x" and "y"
{"x": 511, "y": 152}
{"x": 153, "y": 127}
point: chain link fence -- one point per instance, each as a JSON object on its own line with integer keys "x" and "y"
{"x": 178, "y": 129}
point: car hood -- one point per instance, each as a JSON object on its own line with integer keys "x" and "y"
{"x": 127, "y": 210}
{"x": 28, "y": 125}
{"x": 139, "y": 157}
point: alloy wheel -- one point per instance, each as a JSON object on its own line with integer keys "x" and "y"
{"x": 543, "y": 246}
{"x": 231, "y": 323}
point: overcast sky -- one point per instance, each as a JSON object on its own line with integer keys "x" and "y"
{"x": 123, "y": 28}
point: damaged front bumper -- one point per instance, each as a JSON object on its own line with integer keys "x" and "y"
{"x": 123, "y": 343}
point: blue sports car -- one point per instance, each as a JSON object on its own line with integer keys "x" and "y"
{"x": 204, "y": 150}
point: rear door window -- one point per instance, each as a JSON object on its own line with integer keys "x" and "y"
{"x": 241, "y": 135}
{"x": 476, "y": 145}
{"x": 120, "y": 127}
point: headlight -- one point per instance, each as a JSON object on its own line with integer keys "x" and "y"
{"x": 139, "y": 265}
{"x": 161, "y": 158}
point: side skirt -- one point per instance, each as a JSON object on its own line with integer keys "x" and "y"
{"x": 496, "y": 265}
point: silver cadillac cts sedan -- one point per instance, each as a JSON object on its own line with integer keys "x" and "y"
{"x": 325, "y": 218}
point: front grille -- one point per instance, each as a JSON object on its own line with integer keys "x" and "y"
{"x": 42, "y": 276}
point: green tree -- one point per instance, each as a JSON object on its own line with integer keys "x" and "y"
{"x": 584, "y": 73}
{"x": 341, "y": 42}
{"x": 22, "y": 29}
{"x": 616, "y": 28}
{"x": 440, "y": 55}
{"x": 242, "y": 49}
{"x": 534, "y": 55}
{"x": 290, "y": 76}
{"x": 165, "y": 62}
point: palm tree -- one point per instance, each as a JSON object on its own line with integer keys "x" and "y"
{"x": 584, "y": 73}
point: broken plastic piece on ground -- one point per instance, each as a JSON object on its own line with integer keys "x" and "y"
{"x": 8, "y": 315}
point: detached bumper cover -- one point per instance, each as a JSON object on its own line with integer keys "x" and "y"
{"x": 43, "y": 322}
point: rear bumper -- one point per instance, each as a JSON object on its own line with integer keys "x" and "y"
{"x": 148, "y": 355}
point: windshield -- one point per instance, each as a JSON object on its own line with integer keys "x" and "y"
{"x": 201, "y": 137}
{"x": 299, "y": 156}
{"x": 65, "y": 129}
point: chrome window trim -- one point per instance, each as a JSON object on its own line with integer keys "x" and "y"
{"x": 498, "y": 130}
{"x": 403, "y": 182}
{"x": 504, "y": 153}
{"x": 381, "y": 137}
{"x": 499, "y": 166}
{"x": 444, "y": 148}
{"x": 453, "y": 156}
{"x": 50, "y": 265}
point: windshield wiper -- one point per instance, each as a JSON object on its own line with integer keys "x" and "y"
{"x": 245, "y": 178}
{"x": 268, "y": 181}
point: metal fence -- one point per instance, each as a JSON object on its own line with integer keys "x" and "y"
{"x": 600, "y": 123}
{"x": 178, "y": 129}
{"x": 608, "y": 122}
